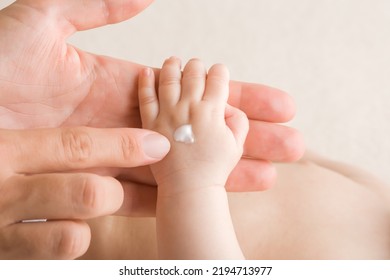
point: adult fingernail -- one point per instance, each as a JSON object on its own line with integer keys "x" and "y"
{"x": 155, "y": 145}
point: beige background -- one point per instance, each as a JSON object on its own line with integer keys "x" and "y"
{"x": 332, "y": 56}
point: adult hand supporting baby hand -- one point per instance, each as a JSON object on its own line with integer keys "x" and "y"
{"x": 45, "y": 82}
{"x": 31, "y": 186}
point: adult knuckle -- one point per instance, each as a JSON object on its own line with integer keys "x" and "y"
{"x": 129, "y": 147}
{"x": 293, "y": 145}
{"x": 76, "y": 144}
{"x": 90, "y": 196}
{"x": 108, "y": 11}
{"x": 70, "y": 241}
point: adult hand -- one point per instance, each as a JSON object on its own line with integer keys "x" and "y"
{"x": 44, "y": 82}
{"x": 30, "y": 188}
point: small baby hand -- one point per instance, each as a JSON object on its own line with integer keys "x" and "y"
{"x": 198, "y": 99}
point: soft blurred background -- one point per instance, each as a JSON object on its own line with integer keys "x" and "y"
{"x": 332, "y": 56}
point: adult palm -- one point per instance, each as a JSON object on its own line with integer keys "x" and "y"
{"x": 45, "y": 82}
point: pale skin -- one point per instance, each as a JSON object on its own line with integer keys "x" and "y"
{"x": 47, "y": 83}
{"x": 192, "y": 202}
{"x": 28, "y": 181}
{"x": 318, "y": 209}
{"x": 75, "y": 97}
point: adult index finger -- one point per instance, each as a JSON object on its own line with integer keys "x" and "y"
{"x": 61, "y": 149}
{"x": 262, "y": 103}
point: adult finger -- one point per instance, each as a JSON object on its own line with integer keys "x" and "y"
{"x": 87, "y": 14}
{"x": 251, "y": 175}
{"x": 273, "y": 142}
{"x": 139, "y": 200}
{"x": 142, "y": 175}
{"x": 261, "y": 102}
{"x": 58, "y": 196}
{"x": 50, "y": 240}
{"x": 59, "y": 149}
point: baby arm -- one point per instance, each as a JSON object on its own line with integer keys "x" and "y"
{"x": 193, "y": 219}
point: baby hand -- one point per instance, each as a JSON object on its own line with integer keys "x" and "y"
{"x": 198, "y": 99}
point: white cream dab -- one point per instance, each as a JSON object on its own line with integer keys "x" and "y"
{"x": 184, "y": 134}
